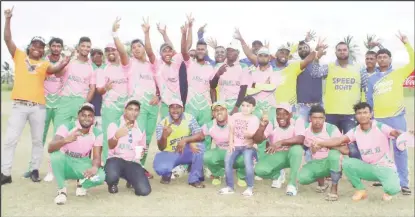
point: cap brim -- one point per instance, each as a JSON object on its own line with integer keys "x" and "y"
{"x": 38, "y": 41}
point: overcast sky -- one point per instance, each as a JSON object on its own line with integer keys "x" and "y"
{"x": 277, "y": 22}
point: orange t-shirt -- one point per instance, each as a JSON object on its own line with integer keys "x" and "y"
{"x": 29, "y": 78}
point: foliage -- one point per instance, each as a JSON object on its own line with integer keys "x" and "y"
{"x": 353, "y": 48}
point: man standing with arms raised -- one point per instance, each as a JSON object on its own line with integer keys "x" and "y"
{"x": 385, "y": 93}
{"x": 30, "y": 74}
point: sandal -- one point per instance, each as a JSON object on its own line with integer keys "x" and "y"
{"x": 332, "y": 197}
{"x": 322, "y": 189}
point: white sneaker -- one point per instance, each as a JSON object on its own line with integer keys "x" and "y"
{"x": 178, "y": 172}
{"x": 258, "y": 178}
{"x": 282, "y": 176}
{"x": 276, "y": 183}
{"x": 207, "y": 172}
{"x": 80, "y": 191}
{"x": 248, "y": 192}
{"x": 49, "y": 177}
{"x": 61, "y": 198}
{"x": 226, "y": 190}
{"x": 291, "y": 190}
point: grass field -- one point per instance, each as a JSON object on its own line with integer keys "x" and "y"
{"x": 25, "y": 198}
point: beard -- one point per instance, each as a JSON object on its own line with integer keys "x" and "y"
{"x": 303, "y": 55}
{"x": 345, "y": 58}
{"x": 262, "y": 63}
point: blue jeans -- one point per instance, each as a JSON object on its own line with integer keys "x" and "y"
{"x": 230, "y": 158}
{"x": 401, "y": 157}
{"x": 164, "y": 162}
{"x": 345, "y": 123}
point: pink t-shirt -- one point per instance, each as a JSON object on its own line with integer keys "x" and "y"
{"x": 230, "y": 82}
{"x": 198, "y": 77}
{"x": 77, "y": 78}
{"x": 52, "y": 83}
{"x": 83, "y": 145}
{"x": 261, "y": 77}
{"x": 141, "y": 82}
{"x": 219, "y": 134}
{"x": 118, "y": 94}
{"x": 242, "y": 124}
{"x": 167, "y": 77}
{"x": 373, "y": 144}
{"x": 276, "y": 133}
{"x": 310, "y": 136}
{"x": 125, "y": 148}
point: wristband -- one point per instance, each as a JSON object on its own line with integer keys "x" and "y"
{"x": 114, "y": 34}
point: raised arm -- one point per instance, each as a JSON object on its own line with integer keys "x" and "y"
{"x": 259, "y": 135}
{"x": 11, "y": 46}
{"x": 214, "y": 82}
{"x": 184, "y": 50}
{"x": 120, "y": 47}
{"x": 59, "y": 69}
{"x": 408, "y": 68}
{"x": 147, "y": 43}
{"x": 248, "y": 52}
{"x": 189, "y": 40}
{"x": 163, "y": 32}
{"x": 319, "y": 71}
{"x": 309, "y": 59}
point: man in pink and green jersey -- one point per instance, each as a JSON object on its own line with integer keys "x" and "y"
{"x": 325, "y": 161}
{"x": 372, "y": 138}
{"x": 112, "y": 83}
{"x": 232, "y": 79}
{"x": 98, "y": 65}
{"x": 385, "y": 94}
{"x": 141, "y": 86}
{"x": 52, "y": 87}
{"x": 285, "y": 135}
{"x": 79, "y": 81}
{"x": 214, "y": 159}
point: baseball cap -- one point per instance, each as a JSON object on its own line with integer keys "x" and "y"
{"x": 257, "y": 42}
{"x": 111, "y": 45}
{"x": 219, "y": 103}
{"x": 130, "y": 101}
{"x": 87, "y": 106}
{"x": 263, "y": 50}
{"x": 232, "y": 45}
{"x": 164, "y": 46}
{"x": 285, "y": 106}
{"x": 38, "y": 38}
{"x": 176, "y": 101}
{"x": 283, "y": 47}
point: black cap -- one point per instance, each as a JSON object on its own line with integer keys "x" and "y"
{"x": 257, "y": 42}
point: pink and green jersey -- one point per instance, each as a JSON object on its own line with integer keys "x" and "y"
{"x": 329, "y": 131}
{"x": 141, "y": 81}
{"x": 126, "y": 145}
{"x": 230, "y": 82}
{"x": 199, "y": 77}
{"x": 265, "y": 98}
{"x": 118, "y": 94}
{"x": 84, "y": 143}
{"x": 373, "y": 144}
{"x": 53, "y": 85}
{"x": 167, "y": 77}
{"x": 274, "y": 133}
{"x": 243, "y": 124}
{"x": 219, "y": 134}
{"x": 77, "y": 78}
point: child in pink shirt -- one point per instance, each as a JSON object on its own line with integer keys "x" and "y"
{"x": 372, "y": 138}
{"x": 242, "y": 127}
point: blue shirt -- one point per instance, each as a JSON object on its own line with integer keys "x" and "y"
{"x": 309, "y": 89}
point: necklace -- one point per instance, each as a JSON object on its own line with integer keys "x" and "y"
{"x": 31, "y": 67}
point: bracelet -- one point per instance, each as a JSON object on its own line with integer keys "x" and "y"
{"x": 114, "y": 34}
{"x": 115, "y": 138}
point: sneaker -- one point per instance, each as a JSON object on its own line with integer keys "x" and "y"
{"x": 34, "y": 176}
{"x": 26, "y": 174}
{"x": 386, "y": 197}
{"x": 322, "y": 189}
{"x": 291, "y": 190}
{"x": 165, "y": 180}
{"x": 248, "y": 192}
{"x": 80, "y": 191}
{"x": 5, "y": 179}
{"x": 359, "y": 195}
{"x": 113, "y": 189}
{"x": 61, "y": 198}
{"x": 406, "y": 191}
{"x": 241, "y": 183}
{"x": 226, "y": 190}
{"x": 276, "y": 183}
{"x": 258, "y": 178}
{"x": 216, "y": 181}
{"x": 377, "y": 184}
{"x": 178, "y": 171}
{"x": 207, "y": 172}
{"x": 282, "y": 176}
{"x": 49, "y": 177}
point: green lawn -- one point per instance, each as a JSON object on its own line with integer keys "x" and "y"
{"x": 24, "y": 198}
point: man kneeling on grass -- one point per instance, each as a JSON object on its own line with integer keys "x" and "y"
{"x": 325, "y": 162}
{"x": 372, "y": 138}
{"x": 69, "y": 154}
{"x": 214, "y": 158}
{"x": 179, "y": 139}
{"x": 286, "y": 135}
{"x": 126, "y": 143}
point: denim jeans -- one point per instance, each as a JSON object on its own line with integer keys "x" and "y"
{"x": 230, "y": 158}
{"x": 132, "y": 172}
{"x": 345, "y": 123}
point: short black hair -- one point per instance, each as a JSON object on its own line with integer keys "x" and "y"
{"x": 95, "y": 51}
{"x": 56, "y": 40}
{"x": 201, "y": 43}
{"x": 362, "y": 105}
{"x": 134, "y": 102}
{"x": 84, "y": 39}
{"x": 86, "y": 108}
{"x": 257, "y": 42}
{"x": 342, "y": 43}
{"x": 317, "y": 109}
{"x": 137, "y": 41}
{"x": 371, "y": 52}
{"x": 220, "y": 46}
{"x": 384, "y": 51}
{"x": 250, "y": 100}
